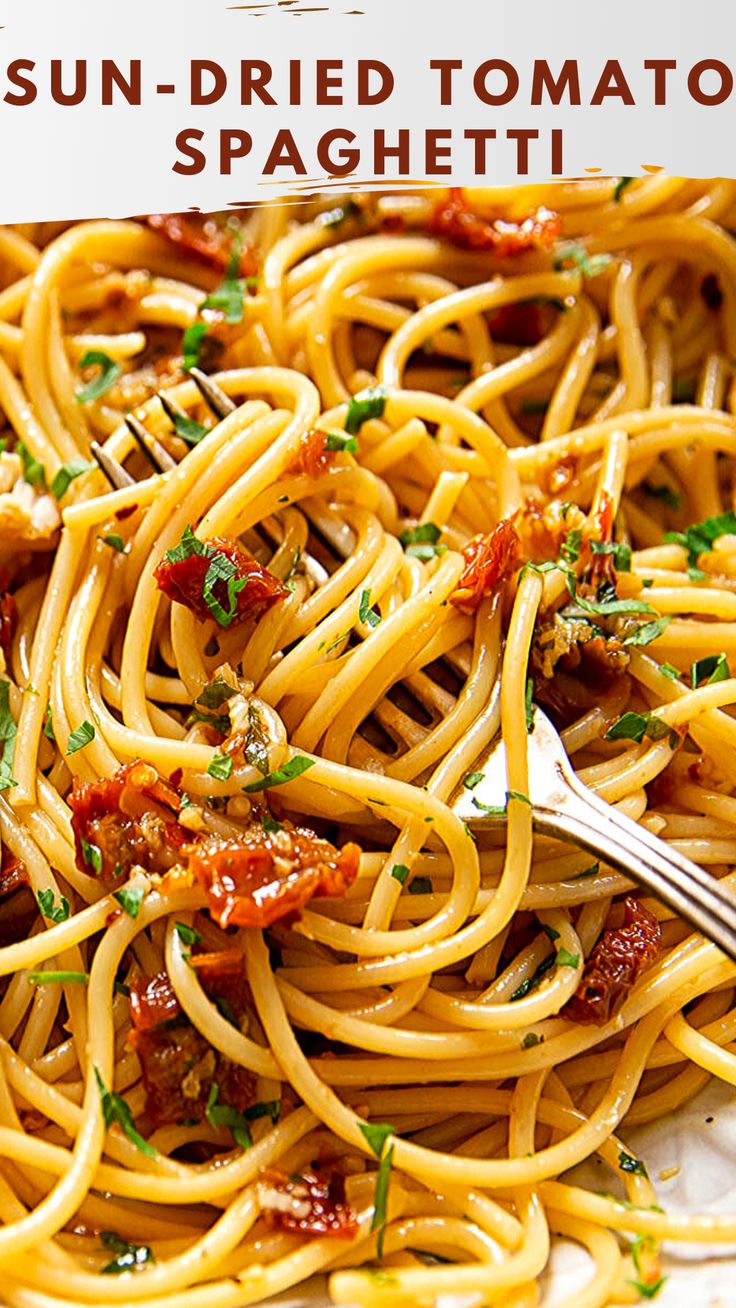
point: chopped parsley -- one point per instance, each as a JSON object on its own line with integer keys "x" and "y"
{"x": 187, "y": 934}
{"x": 67, "y": 473}
{"x": 528, "y": 704}
{"x": 49, "y": 909}
{"x": 663, "y": 492}
{"x": 627, "y": 1163}
{"x": 224, "y": 1115}
{"x": 377, "y": 1133}
{"x": 365, "y": 612}
{"x": 115, "y": 1109}
{"x": 635, "y": 726}
{"x": 620, "y": 551}
{"x": 340, "y": 443}
{"x": 33, "y": 471}
{"x": 531, "y": 982}
{"x": 190, "y": 431}
{"x": 368, "y": 404}
{"x": 255, "y": 748}
{"x": 289, "y": 772}
{"x": 217, "y": 693}
{"x": 128, "y": 1257}
{"x": 380, "y": 1201}
{"x": 191, "y": 345}
{"x": 668, "y": 671}
{"x": 531, "y": 1039}
{"x": 706, "y": 672}
{"x": 699, "y": 538}
{"x": 620, "y": 187}
{"x": 400, "y": 872}
{"x": 589, "y": 265}
{"x": 565, "y": 959}
{"x": 648, "y": 632}
{"x": 80, "y": 737}
{"x": 92, "y": 856}
{"x": 109, "y": 372}
{"x": 47, "y": 978}
{"x": 570, "y": 548}
{"x": 220, "y": 767}
{"x": 472, "y": 779}
{"x": 420, "y": 886}
{"x": 48, "y": 725}
{"x": 114, "y": 541}
{"x": 130, "y": 898}
{"x": 8, "y": 733}
{"x": 591, "y": 871}
{"x": 421, "y": 542}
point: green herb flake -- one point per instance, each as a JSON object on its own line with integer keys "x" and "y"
{"x": 400, "y": 872}
{"x": 531, "y": 1039}
{"x": 220, "y": 767}
{"x": 493, "y": 810}
{"x": 368, "y": 404}
{"x": 564, "y": 958}
{"x": 289, "y": 772}
{"x": 68, "y": 473}
{"x": 529, "y": 705}
{"x": 340, "y": 443}
{"x": 380, "y": 1201}
{"x": 128, "y": 1257}
{"x": 519, "y": 797}
{"x": 627, "y": 1163}
{"x": 114, "y": 541}
{"x": 49, "y": 908}
{"x": 63, "y": 978}
{"x": 708, "y": 671}
{"x": 191, "y": 344}
{"x": 420, "y": 886}
{"x": 130, "y": 898}
{"x": 216, "y": 694}
{"x": 668, "y": 671}
{"x": 589, "y": 265}
{"x": 422, "y": 541}
{"x": 8, "y": 733}
{"x": 591, "y": 871}
{"x": 48, "y": 726}
{"x": 80, "y": 738}
{"x": 570, "y": 548}
{"x": 255, "y": 748}
{"x": 115, "y": 1109}
{"x": 619, "y": 550}
{"x": 531, "y": 982}
{"x": 33, "y": 471}
{"x": 92, "y": 856}
{"x": 187, "y": 429}
{"x": 472, "y": 779}
{"x": 699, "y": 538}
{"x": 696, "y": 575}
{"x": 649, "y": 631}
{"x": 376, "y": 1134}
{"x": 620, "y": 187}
{"x": 224, "y": 1115}
{"x": 365, "y": 612}
{"x": 188, "y": 935}
{"x": 109, "y": 372}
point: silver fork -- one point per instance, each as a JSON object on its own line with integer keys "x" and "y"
{"x": 562, "y": 806}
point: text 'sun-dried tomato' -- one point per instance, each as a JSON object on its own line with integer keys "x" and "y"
{"x": 312, "y": 1203}
{"x": 216, "y": 579}
{"x": 263, "y": 877}
{"x": 208, "y": 236}
{"x": 489, "y": 560}
{"x": 454, "y": 220}
{"x": 615, "y": 965}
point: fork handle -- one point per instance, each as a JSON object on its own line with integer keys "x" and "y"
{"x": 586, "y": 820}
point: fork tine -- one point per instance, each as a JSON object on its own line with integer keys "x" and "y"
{"x": 153, "y": 450}
{"x": 114, "y": 471}
{"x": 220, "y": 403}
{"x": 170, "y": 407}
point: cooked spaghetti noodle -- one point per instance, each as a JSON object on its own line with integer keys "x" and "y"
{"x": 269, "y": 1008}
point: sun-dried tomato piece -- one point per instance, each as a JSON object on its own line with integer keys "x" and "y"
{"x": 216, "y": 579}
{"x": 8, "y": 624}
{"x": 264, "y": 877}
{"x": 454, "y": 220}
{"x": 178, "y": 1065}
{"x": 489, "y": 560}
{"x": 13, "y": 873}
{"x": 208, "y": 236}
{"x": 129, "y": 819}
{"x": 313, "y": 458}
{"x": 312, "y": 1203}
{"x": 522, "y": 323}
{"x": 615, "y": 965}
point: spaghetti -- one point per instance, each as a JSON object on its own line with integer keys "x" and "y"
{"x": 269, "y": 1009}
